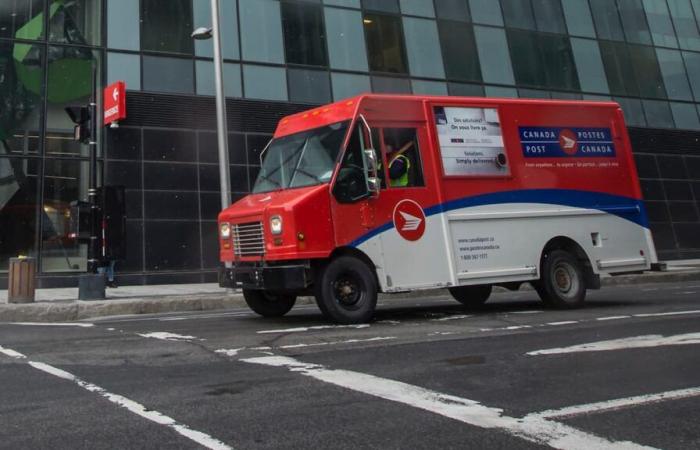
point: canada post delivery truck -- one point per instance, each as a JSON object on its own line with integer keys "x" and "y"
{"x": 385, "y": 193}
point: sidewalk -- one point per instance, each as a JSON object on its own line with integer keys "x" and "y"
{"x": 62, "y": 305}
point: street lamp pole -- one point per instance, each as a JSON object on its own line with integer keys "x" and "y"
{"x": 204, "y": 33}
{"x": 222, "y": 133}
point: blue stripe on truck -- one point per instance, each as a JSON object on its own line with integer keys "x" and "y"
{"x": 624, "y": 207}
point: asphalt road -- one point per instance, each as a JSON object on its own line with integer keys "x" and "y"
{"x": 624, "y": 372}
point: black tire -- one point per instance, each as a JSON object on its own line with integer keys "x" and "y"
{"x": 268, "y": 304}
{"x": 562, "y": 283}
{"x": 346, "y": 291}
{"x": 471, "y": 296}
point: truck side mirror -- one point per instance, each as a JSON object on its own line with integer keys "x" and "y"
{"x": 372, "y": 175}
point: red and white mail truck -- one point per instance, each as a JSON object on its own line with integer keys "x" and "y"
{"x": 387, "y": 193}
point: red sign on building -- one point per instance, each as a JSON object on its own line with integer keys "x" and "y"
{"x": 114, "y": 102}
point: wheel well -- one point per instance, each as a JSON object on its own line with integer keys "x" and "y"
{"x": 350, "y": 251}
{"x": 569, "y": 245}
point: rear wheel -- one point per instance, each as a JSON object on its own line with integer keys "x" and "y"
{"x": 346, "y": 291}
{"x": 268, "y": 304}
{"x": 472, "y": 296}
{"x": 562, "y": 284}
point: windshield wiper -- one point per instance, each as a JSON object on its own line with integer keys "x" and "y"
{"x": 272, "y": 180}
{"x": 309, "y": 174}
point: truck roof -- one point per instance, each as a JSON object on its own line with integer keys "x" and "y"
{"x": 347, "y": 109}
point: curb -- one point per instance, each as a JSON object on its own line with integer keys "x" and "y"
{"x": 77, "y": 310}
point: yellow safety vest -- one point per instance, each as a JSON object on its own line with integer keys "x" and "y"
{"x": 403, "y": 180}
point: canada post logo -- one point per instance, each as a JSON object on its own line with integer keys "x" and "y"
{"x": 547, "y": 142}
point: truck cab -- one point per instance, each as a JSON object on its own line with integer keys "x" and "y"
{"x": 384, "y": 193}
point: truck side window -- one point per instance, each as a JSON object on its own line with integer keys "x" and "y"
{"x": 351, "y": 183}
{"x": 403, "y": 158}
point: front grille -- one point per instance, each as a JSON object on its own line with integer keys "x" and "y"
{"x": 248, "y": 239}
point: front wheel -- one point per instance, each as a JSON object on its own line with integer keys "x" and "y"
{"x": 346, "y": 291}
{"x": 472, "y": 296}
{"x": 268, "y": 304}
{"x": 562, "y": 283}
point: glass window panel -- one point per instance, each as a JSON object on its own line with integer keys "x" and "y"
{"x": 692, "y": 64}
{"x": 589, "y": 63}
{"x": 418, "y": 8}
{"x": 257, "y": 15}
{"x": 205, "y": 79}
{"x": 346, "y": 40}
{"x": 466, "y": 90}
{"x": 487, "y": 12}
{"x": 618, "y": 68}
{"x": 674, "y": 75}
{"x": 69, "y": 84}
{"x": 607, "y": 20}
{"x": 596, "y": 98}
{"x": 502, "y": 92}
{"x": 15, "y": 16}
{"x": 452, "y": 10}
{"x": 168, "y": 74}
{"x": 309, "y": 86}
{"x": 634, "y": 114}
{"x": 459, "y": 51}
{"x": 634, "y": 21}
{"x": 266, "y": 83}
{"x": 77, "y": 22}
{"x": 21, "y": 98}
{"x": 123, "y": 24}
{"x": 566, "y": 95}
{"x": 346, "y": 3}
{"x": 124, "y": 67}
{"x": 518, "y": 14}
{"x": 423, "y": 47}
{"x": 385, "y": 43}
{"x": 534, "y": 93}
{"x": 493, "y": 55}
{"x": 549, "y": 16}
{"x": 685, "y": 116}
{"x": 578, "y": 18}
{"x": 527, "y": 63}
{"x": 391, "y": 6}
{"x": 304, "y": 37}
{"x": 645, "y": 64}
{"x": 423, "y": 87}
{"x": 658, "y": 114}
{"x": 558, "y": 62}
{"x": 167, "y": 26}
{"x": 390, "y": 85}
{"x": 686, "y": 26}
{"x": 18, "y": 207}
{"x": 348, "y": 85}
{"x": 64, "y": 182}
{"x": 660, "y": 25}
{"x": 228, "y": 20}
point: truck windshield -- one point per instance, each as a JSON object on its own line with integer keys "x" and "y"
{"x": 302, "y": 159}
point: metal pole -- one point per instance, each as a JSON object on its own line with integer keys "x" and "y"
{"x": 222, "y": 133}
{"x": 95, "y": 225}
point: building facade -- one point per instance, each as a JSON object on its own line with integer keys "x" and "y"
{"x": 282, "y": 56}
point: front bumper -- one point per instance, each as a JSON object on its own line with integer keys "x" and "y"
{"x": 295, "y": 276}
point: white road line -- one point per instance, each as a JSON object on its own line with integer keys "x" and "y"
{"x": 11, "y": 353}
{"x": 648, "y": 341}
{"x": 613, "y": 318}
{"x": 525, "y": 312}
{"x": 444, "y": 319}
{"x": 533, "y": 429}
{"x": 558, "y": 324}
{"x": 40, "y": 324}
{"x": 666, "y": 314}
{"x": 688, "y": 293}
{"x": 319, "y": 327}
{"x": 612, "y": 405}
{"x": 235, "y": 351}
{"x": 165, "y": 336}
{"x": 154, "y": 416}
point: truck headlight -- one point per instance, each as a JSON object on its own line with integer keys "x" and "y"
{"x": 225, "y": 230}
{"x": 276, "y": 225}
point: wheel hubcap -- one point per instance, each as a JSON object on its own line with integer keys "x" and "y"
{"x": 566, "y": 280}
{"x": 347, "y": 291}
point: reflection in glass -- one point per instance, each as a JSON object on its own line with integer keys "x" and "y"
{"x": 304, "y": 36}
{"x": 64, "y": 182}
{"x": 75, "y": 22}
{"x": 18, "y": 198}
{"x": 22, "y": 19}
{"x": 167, "y": 25}
{"x": 385, "y": 43}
